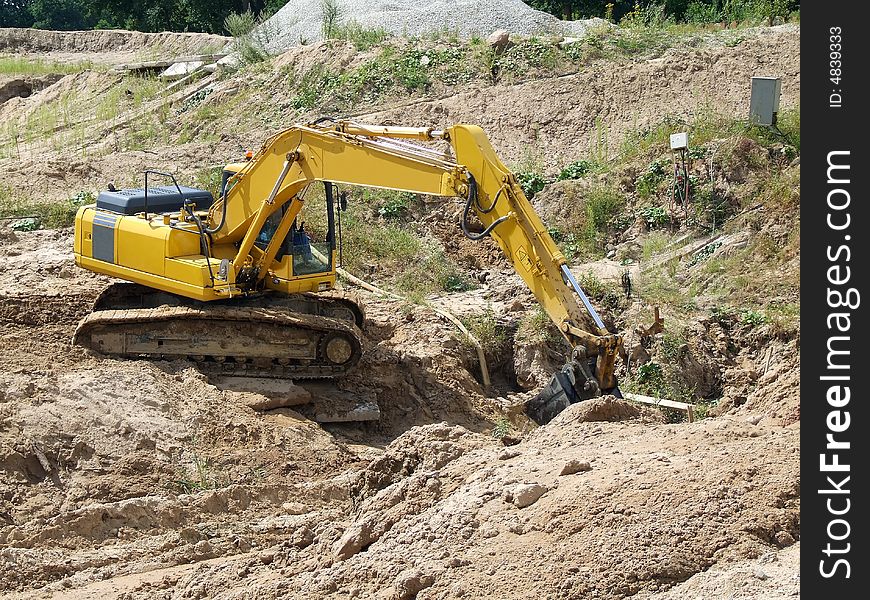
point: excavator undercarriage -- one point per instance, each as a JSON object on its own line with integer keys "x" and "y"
{"x": 299, "y": 336}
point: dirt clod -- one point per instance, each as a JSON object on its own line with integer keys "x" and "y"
{"x": 525, "y": 494}
{"x": 575, "y": 466}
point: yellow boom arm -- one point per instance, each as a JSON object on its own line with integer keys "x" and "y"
{"x": 376, "y": 157}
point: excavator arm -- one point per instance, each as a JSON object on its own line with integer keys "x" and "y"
{"x": 381, "y": 157}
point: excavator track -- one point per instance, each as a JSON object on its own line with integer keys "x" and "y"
{"x": 260, "y": 336}
{"x": 336, "y": 304}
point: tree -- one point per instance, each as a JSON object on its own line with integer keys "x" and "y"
{"x": 15, "y": 13}
{"x": 581, "y": 9}
{"x": 59, "y": 14}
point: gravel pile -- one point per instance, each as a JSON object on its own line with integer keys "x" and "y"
{"x": 300, "y": 20}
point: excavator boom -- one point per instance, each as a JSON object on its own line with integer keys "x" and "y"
{"x": 222, "y": 254}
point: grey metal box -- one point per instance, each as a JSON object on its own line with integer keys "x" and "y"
{"x": 764, "y": 102}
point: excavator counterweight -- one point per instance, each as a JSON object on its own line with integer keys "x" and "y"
{"x": 238, "y": 285}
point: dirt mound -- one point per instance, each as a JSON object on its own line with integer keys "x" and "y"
{"x": 434, "y": 530}
{"x": 22, "y": 40}
{"x": 594, "y": 109}
{"x": 22, "y": 87}
{"x": 772, "y": 576}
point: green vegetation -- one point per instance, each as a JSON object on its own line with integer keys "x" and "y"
{"x": 587, "y": 230}
{"x": 66, "y": 120}
{"x": 44, "y": 214}
{"x": 661, "y": 13}
{"x": 382, "y": 243}
{"x": 208, "y": 15}
{"x": 361, "y": 37}
{"x": 604, "y": 294}
{"x": 532, "y": 182}
{"x": 655, "y": 217}
{"x": 577, "y": 169}
{"x": 648, "y": 181}
{"x": 430, "y": 273}
{"x": 395, "y": 204}
{"x": 331, "y": 17}
{"x": 408, "y": 70}
{"x": 662, "y": 378}
{"x": 157, "y": 15}
{"x": 502, "y": 428}
{"x": 488, "y": 331}
{"x": 536, "y": 327}
{"x": 524, "y": 56}
{"x": 247, "y": 43}
{"x": 17, "y": 65}
{"x": 198, "y": 476}
{"x": 209, "y": 178}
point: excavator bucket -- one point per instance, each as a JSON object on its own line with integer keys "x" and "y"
{"x": 573, "y": 383}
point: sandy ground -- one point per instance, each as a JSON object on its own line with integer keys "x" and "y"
{"x": 99, "y": 458}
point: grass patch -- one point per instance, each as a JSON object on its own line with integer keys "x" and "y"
{"x": 586, "y": 233}
{"x": 432, "y": 273}
{"x": 52, "y": 215}
{"x": 536, "y": 327}
{"x": 16, "y": 65}
{"x": 654, "y": 243}
{"x": 198, "y": 476}
{"x": 599, "y": 291}
{"x": 360, "y": 36}
{"x": 488, "y": 331}
{"x": 130, "y": 93}
{"x": 526, "y": 55}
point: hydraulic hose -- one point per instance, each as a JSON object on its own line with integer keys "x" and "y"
{"x": 203, "y": 240}
{"x": 223, "y": 198}
{"x": 473, "y": 201}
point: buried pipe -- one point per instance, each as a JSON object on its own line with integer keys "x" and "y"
{"x": 484, "y": 369}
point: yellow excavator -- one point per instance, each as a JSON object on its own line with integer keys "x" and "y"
{"x": 236, "y": 285}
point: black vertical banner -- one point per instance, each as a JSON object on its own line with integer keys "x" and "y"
{"x": 835, "y": 229}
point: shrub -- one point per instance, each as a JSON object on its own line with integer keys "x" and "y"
{"x": 575, "y": 170}
{"x": 648, "y": 181}
{"x": 330, "y": 18}
{"x": 650, "y": 374}
{"x": 598, "y": 290}
{"x": 247, "y": 43}
{"x": 703, "y": 12}
{"x": 655, "y": 217}
{"x": 602, "y": 205}
{"x": 536, "y": 327}
{"x": 532, "y": 182}
{"x": 489, "y": 332}
{"x": 752, "y": 318}
{"x": 502, "y": 428}
{"x": 395, "y": 206}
